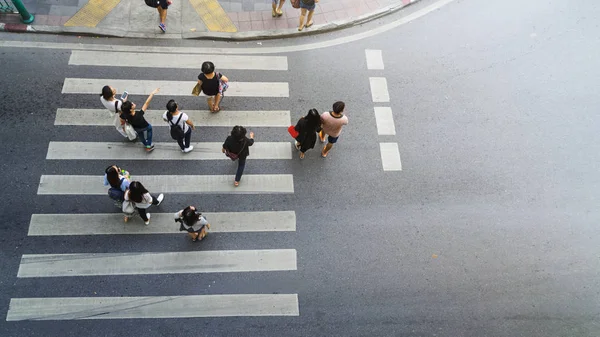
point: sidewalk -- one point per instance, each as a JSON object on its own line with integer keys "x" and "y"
{"x": 215, "y": 19}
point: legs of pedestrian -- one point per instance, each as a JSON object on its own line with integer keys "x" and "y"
{"x": 277, "y": 9}
{"x": 211, "y": 103}
{"x": 302, "y": 17}
{"x": 309, "y": 21}
{"x": 217, "y": 101}
{"x": 146, "y": 137}
{"x": 162, "y": 14}
{"x": 322, "y": 136}
{"x": 240, "y": 171}
{"x": 144, "y": 215}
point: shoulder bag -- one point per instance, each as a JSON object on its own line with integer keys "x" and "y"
{"x": 234, "y": 156}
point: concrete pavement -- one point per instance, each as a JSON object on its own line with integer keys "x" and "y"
{"x": 214, "y": 19}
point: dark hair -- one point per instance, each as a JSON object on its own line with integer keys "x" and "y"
{"x": 107, "y": 92}
{"x": 313, "y": 119}
{"x": 208, "y": 67}
{"x": 171, "y": 107}
{"x": 238, "y": 133}
{"x": 338, "y": 107}
{"x": 191, "y": 216}
{"x": 112, "y": 176}
{"x": 137, "y": 191}
{"x": 126, "y": 107}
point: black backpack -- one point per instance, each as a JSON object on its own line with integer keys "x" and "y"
{"x": 152, "y": 3}
{"x": 176, "y": 130}
{"x": 116, "y": 193}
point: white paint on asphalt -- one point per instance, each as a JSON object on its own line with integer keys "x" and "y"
{"x": 175, "y": 60}
{"x": 162, "y": 223}
{"x": 77, "y": 308}
{"x": 385, "y": 121}
{"x": 374, "y": 59}
{"x": 390, "y": 157}
{"x": 172, "y": 88}
{"x": 379, "y": 89}
{"x": 250, "y": 184}
{"x": 101, "y": 117}
{"x": 217, "y": 261}
{"x": 221, "y": 51}
{"x": 163, "y": 151}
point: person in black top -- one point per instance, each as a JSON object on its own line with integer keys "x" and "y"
{"x": 213, "y": 85}
{"x": 238, "y": 144}
{"x": 137, "y": 120}
{"x": 307, "y": 128}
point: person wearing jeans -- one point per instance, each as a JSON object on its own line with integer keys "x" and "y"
{"x": 177, "y": 118}
{"x": 137, "y": 120}
{"x": 237, "y": 144}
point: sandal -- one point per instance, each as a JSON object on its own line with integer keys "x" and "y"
{"x": 236, "y": 183}
{"x": 125, "y": 218}
{"x": 300, "y": 28}
{"x": 309, "y": 24}
{"x": 301, "y": 155}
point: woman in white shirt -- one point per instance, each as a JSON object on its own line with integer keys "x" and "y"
{"x": 141, "y": 199}
{"x": 113, "y": 105}
{"x": 177, "y": 118}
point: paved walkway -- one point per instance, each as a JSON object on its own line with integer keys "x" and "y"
{"x": 233, "y": 19}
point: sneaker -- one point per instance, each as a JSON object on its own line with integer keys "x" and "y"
{"x": 189, "y": 149}
{"x": 160, "y": 198}
{"x": 150, "y": 148}
{"x": 162, "y": 27}
{"x": 147, "y": 222}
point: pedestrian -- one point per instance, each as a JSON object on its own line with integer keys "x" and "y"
{"x": 141, "y": 199}
{"x": 236, "y": 147}
{"x": 181, "y": 126}
{"x": 213, "y": 84}
{"x": 113, "y": 105}
{"x": 161, "y": 6}
{"x": 118, "y": 180}
{"x": 307, "y": 128}
{"x": 332, "y": 123}
{"x": 193, "y": 222}
{"x": 277, "y": 8}
{"x": 307, "y": 6}
{"x": 137, "y": 120}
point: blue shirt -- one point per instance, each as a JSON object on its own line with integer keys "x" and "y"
{"x": 124, "y": 182}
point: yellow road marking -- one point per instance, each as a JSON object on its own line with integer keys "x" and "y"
{"x": 92, "y": 13}
{"x": 213, "y": 15}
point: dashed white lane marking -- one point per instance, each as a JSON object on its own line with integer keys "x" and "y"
{"x": 374, "y": 59}
{"x": 379, "y": 89}
{"x": 385, "y": 121}
{"x": 390, "y": 157}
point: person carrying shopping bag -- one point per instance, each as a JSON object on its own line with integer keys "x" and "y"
{"x": 113, "y": 105}
{"x": 213, "y": 84}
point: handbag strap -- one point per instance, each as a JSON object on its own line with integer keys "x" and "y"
{"x": 116, "y": 106}
{"x": 180, "y": 115}
{"x": 243, "y": 146}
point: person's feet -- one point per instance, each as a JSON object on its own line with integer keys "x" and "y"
{"x": 162, "y": 27}
{"x": 301, "y": 155}
{"x": 324, "y": 153}
{"x": 189, "y": 149}
{"x": 322, "y": 137}
{"x": 150, "y": 148}
{"x": 309, "y": 24}
{"x": 300, "y": 28}
{"x": 273, "y": 12}
{"x": 279, "y": 12}
{"x": 147, "y": 222}
{"x": 160, "y": 198}
{"x": 125, "y": 218}
{"x": 297, "y": 146}
{"x": 236, "y": 183}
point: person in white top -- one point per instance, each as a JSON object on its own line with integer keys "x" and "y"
{"x": 142, "y": 200}
{"x": 181, "y": 126}
{"x": 113, "y": 105}
{"x": 192, "y": 222}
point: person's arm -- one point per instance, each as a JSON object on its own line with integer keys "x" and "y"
{"x": 145, "y": 106}
{"x": 178, "y": 215}
{"x": 224, "y": 78}
{"x": 251, "y": 140}
{"x": 105, "y": 180}
{"x": 190, "y": 123}
{"x": 125, "y": 184}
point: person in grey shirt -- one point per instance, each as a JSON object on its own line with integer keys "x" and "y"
{"x": 193, "y": 222}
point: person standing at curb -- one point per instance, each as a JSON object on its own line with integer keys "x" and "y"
{"x": 332, "y": 123}
{"x": 306, "y": 5}
{"x": 141, "y": 199}
{"x": 236, "y": 147}
{"x": 161, "y": 6}
{"x": 213, "y": 84}
{"x": 137, "y": 120}
{"x": 181, "y": 126}
{"x": 277, "y": 12}
{"x": 307, "y": 128}
{"x": 192, "y": 222}
{"x": 113, "y": 105}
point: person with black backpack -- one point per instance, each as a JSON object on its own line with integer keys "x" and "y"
{"x": 193, "y": 222}
{"x": 118, "y": 180}
{"x": 236, "y": 148}
{"x": 181, "y": 126}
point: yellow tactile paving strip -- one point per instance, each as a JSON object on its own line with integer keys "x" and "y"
{"x": 213, "y": 15}
{"x": 92, "y": 13}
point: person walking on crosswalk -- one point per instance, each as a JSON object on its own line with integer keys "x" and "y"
{"x": 307, "y": 128}
{"x": 142, "y": 200}
{"x": 137, "y": 120}
{"x": 118, "y": 180}
{"x": 236, "y": 147}
{"x": 192, "y": 222}
{"x": 213, "y": 85}
{"x": 181, "y": 126}
{"x": 332, "y": 123}
{"x": 113, "y": 105}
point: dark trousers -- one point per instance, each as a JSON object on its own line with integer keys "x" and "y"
{"x": 184, "y": 142}
{"x": 142, "y": 211}
{"x": 240, "y": 169}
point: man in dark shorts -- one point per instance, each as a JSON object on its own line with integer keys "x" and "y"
{"x": 161, "y": 6}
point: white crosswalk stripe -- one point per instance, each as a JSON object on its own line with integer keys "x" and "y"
{"x": 163, "y": 151}
{"x": 76, "y": 308}
{"x": 173, "y": 88}
{"x": 202, "y": 118}
{"x": 150, "y": 60}
{"x": 91, "y": 185}
{"x": 162, "y": 223}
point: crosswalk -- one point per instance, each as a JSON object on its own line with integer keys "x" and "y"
{"x": 82, "y": 265}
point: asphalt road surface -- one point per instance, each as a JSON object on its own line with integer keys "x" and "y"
{"x": 490, "y": 228}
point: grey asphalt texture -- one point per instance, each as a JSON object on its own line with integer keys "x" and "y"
{"x": 491, "y": 229}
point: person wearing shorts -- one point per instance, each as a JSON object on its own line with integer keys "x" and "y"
{"x": 332, "y": 123}
{"x": 306, "y": 6}
{"x": 163, "y": 5}
{"x": 277, "y": 12}
{"x": 213, "y": 85}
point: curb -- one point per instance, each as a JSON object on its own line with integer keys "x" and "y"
{"x": 240, "y": 36}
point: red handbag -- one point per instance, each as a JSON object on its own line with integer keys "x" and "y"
{"x": 295, "y": 3}
{"x": 292, "y": 131}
